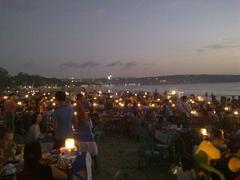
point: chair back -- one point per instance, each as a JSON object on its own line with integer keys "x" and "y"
{"x": 80, "y": 169}
{"x": 202, "y": 163}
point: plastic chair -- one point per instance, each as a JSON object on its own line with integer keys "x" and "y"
{"x": 80, "y": 169}
{"x": 98, "y": 132}
{"x": 201, "y": 160}
{"x": 147, "y": 151}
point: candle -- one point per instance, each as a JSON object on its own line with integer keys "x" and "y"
{"x": 194, "y": 112}
{"x": 204, "y": 131}
{"x": 236, "y": 113}
{"x": 69, "y": 144}
{"x": 173, "y": 92}
{"x": 226, "y": 108}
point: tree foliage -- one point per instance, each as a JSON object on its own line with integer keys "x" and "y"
{"x": 5, "y": 78}
{"x": 25, "y": 79}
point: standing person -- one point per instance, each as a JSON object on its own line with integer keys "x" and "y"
{"x": 83, "y": 127}
{"x": 10, "y": 109}
{"x": 34, "y": 130}
{"x": 62, "y": 120}
{"x": 184, "y": 110}
{"x": 167, "y": 112}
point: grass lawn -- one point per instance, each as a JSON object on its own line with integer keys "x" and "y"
{"x": 119, "y": 156}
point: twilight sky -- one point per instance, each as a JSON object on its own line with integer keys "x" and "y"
{"x": 94, "y": 38}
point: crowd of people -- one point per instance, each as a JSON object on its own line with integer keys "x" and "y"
{"x": 32, "y": 117}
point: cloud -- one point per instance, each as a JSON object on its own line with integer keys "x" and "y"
{"x": 220, "y": 46}
{"x": 130, "y": 65}
{"x": 89, "y": 64}
{"x": 123, "y": 65}
{"x": 232, "y": 40}
{"x": 114, "y": 64}
{"x": 75, "y": 65}
{"x": 149, "y": 64}
{"x": 229, "y": 45}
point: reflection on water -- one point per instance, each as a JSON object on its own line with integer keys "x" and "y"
{"x": 200, "y": 89}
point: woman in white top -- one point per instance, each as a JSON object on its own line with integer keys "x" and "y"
{"x": 34, "y": 130}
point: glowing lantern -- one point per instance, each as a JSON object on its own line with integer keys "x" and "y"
{"x": 121, "y": 104}
{"x": 203, "y": 131}
{"x": 194, "y": 112}
{"x": 70, "y": 144}
{"x": 19, "y": 103}
{"x": 226, "y": 108}
{"x": 236, "y": 113}
{"x": 173, "y": 92}
{"x": 200, "y": 98}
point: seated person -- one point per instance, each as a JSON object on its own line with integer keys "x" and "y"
{"x": 229, "y": 164}
{"x": 211, "y": 147}
{"x": 33, "y": 169}
{"x": 186, "y": 171}
{"x": 34, "y": 130}
{"x": 6, "y": 148}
